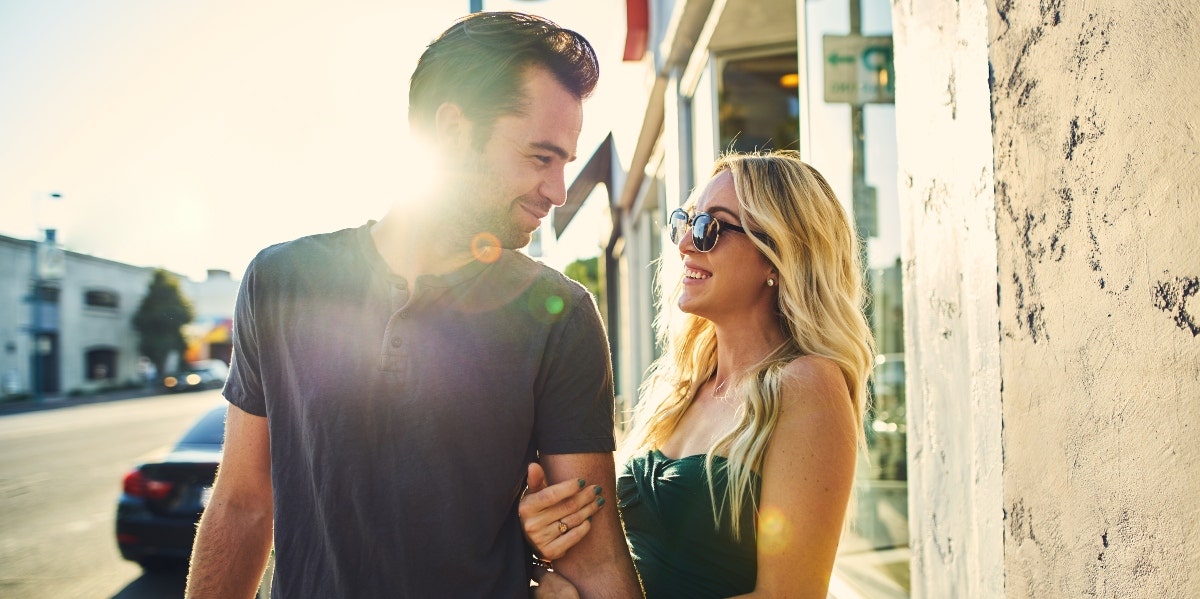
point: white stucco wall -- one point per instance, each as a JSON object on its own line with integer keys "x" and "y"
{"x": 1097, "y": 142}
{"x": 943, "y": 123}
{"x": 1086, "y": 232}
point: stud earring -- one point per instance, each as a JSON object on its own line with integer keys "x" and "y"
{"x": 770, "y": 282}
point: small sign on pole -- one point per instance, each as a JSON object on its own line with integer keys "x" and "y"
{"x": 51, "y": 261}
{"x": 858, "y": 69}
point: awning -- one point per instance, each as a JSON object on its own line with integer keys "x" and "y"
{"x": 597, "y": 170}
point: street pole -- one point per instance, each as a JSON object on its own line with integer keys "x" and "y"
{"x": 35, "y": 304}
{"x": 35, "y": 333}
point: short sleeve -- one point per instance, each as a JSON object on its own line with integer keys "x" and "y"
{"x": 244, "y": 387}
{"x": 575, "y": 407}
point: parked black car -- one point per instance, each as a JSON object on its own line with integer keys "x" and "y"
{"x": 200, "y": 375}
{"x": 162, "y": 501}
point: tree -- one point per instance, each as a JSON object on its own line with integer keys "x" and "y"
{"x": 587, "y": 273}
{"x": 160, "y": 318}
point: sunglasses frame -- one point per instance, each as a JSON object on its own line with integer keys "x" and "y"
{"x": 698, "y": 241}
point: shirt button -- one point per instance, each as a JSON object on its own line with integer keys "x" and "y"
{"x": 395, "y": 342}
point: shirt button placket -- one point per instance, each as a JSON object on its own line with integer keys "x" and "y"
{"x": 393, "y": 341}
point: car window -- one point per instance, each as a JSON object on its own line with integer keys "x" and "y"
{"x": 209, "y": 430}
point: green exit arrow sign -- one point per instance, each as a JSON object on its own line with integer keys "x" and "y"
{"x": 858, "y": 69}
{"x": 835, "y": 59}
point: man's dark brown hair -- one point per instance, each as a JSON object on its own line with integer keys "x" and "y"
{"x": 479, "y": 61}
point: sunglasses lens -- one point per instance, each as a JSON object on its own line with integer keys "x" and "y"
{"x": 677, "y": 224}
{"x": 704, "y": 229}
{"x": 704, "y": 232}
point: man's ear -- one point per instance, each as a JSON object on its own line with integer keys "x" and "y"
{"x": 451, "y": 126}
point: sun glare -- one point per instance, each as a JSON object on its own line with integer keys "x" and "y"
{"x": 417, "y": 170}
{"x": 207, "y": 134}
{"x": 774, "y": 531}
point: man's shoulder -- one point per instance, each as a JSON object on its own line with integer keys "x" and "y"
{"x": 308, "y": 251}
{"x": 542, "y": 285}
{"x": 542, "y": 275}
{"x": 530, "y": 288}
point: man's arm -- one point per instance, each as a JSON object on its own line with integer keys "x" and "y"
{"x": 234, "y": 535}
{"x": 599, "y": 566}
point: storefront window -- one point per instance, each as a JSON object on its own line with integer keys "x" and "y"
{"x": 758, "y": 106}
{"x": 849, "y": 134}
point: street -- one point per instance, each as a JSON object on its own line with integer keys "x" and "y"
{"x": 60, "y": 476}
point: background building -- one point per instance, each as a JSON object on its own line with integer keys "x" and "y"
{"x": 210, "y": 334}
{"x": 1026, "y": 179}
{"x": 66, "y": 319}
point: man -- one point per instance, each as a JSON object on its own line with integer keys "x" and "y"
{"x": 391, "y": 382}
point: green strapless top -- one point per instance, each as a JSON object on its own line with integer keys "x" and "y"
{"x": 678, "y": 548}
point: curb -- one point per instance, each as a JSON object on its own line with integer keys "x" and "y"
{"x": 55, "y": 402}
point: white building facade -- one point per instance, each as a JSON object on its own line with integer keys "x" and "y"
{"x": 69, "y": 328}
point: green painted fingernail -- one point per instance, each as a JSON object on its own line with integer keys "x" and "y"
{"x": 597, "y": 489}
{"x": 599, "y": 501}
{"x": 581, "y": 483}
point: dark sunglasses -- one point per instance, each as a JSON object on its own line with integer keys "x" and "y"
{"x": 706, "y": 228}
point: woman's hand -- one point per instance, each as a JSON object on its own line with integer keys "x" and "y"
{"x": 556, "y": 518}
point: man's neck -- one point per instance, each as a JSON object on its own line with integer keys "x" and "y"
{"x": 412, "y": 247}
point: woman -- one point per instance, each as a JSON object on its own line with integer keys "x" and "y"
{"x": 743, "y": 459}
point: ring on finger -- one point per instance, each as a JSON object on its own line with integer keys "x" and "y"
{"x": 562, "y": 527}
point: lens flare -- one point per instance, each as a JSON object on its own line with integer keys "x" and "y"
{"x": 543, "y": 304}
{"x": 485, "y": 247}
{"x": 774, "y": 531}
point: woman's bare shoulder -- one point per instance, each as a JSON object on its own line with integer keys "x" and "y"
{"x": 816, "y": 378}
{"x": 815, "y": 398}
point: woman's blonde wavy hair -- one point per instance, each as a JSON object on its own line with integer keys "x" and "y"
{"x": 813, "y": 246}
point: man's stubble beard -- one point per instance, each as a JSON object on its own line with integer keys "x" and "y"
{"x": 474, "y": 213}
{"x": 470, "y": 222}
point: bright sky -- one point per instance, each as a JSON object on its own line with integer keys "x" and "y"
{"x": 190, "y": 135}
